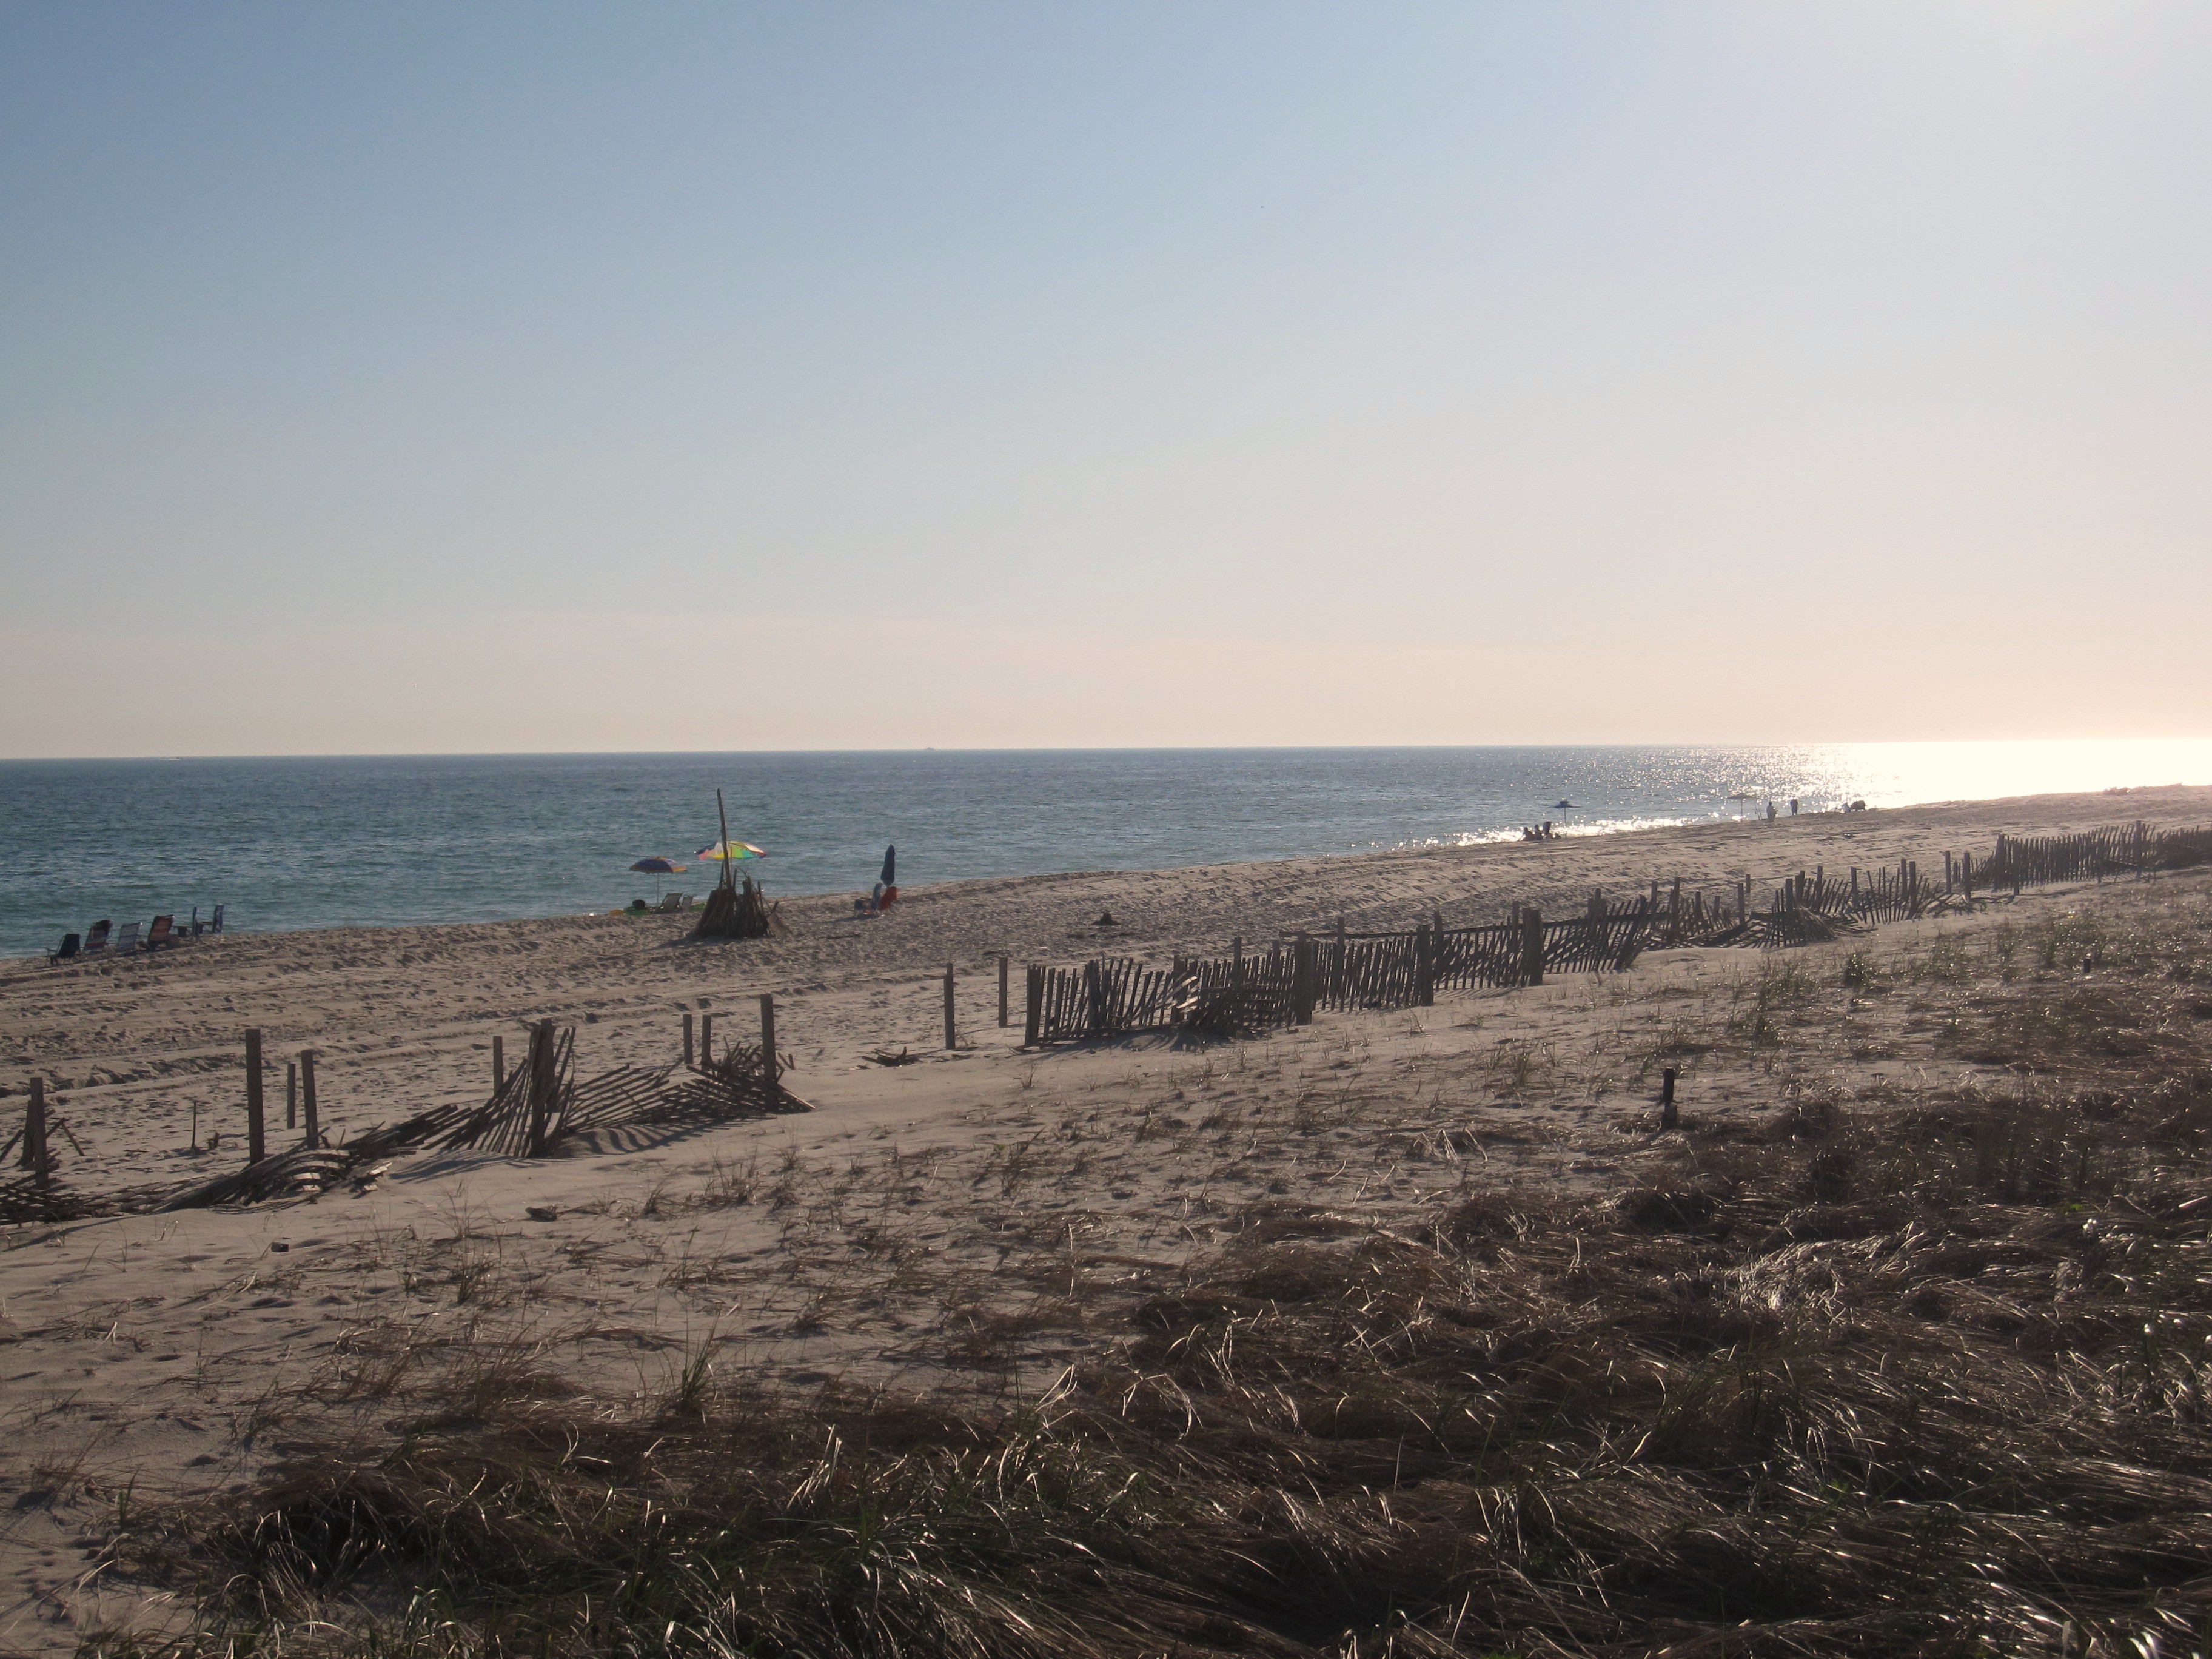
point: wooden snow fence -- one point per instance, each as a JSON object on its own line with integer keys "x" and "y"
{"x": 541, "y": 1103}
{"x": 1245, "y": 993}
{"x": 538, "y": 1106}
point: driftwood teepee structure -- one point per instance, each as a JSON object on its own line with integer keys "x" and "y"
{"x": 735, "y": 910}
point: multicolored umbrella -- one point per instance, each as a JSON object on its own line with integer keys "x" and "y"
{"x": 658, "y": 867}
{"x": 732, "y": 851}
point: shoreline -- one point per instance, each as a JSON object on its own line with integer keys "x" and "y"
{"x": 141, "y": 1047}
{"x": 2121, "y": 805}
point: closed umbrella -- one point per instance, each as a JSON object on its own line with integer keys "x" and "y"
{"x": 891, "y": 866}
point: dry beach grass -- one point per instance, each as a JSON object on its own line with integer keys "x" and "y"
{"x": 1402, "y": 1333}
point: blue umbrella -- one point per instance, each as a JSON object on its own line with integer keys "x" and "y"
{"x": 891, "y": 866}
{"x": 658, "y": 867}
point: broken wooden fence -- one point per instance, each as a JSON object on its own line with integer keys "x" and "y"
{"x": 1244, "y": 993}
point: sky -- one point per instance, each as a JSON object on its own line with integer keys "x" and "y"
{"x": 504, "y": 378}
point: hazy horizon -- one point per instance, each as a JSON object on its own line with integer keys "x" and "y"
{"x": 699, "y": 380}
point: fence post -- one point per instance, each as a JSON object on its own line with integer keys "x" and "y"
{"x": 1532, "y": 947}
{"x": 541, "y": 1086}
{"x": 705, "y": 1039}
{"x": 769, "y": 1077}
{"x": 1668, "y": 1116}
{"x": 687, "y": 1043}
{"x": 291, "y": 1094}
{"x": 1424, "y": 986}
{"x": 1032, "y": 1004}
{"x": 1004, "y": 969}
{"x": 256, "y": 1144}
{"x": 1303, "y": 973}
{"x": 1336, "y": 967}
{"x": 1966, "y": 880}
{"x": 1094, "y": 986}
{"x": 499, "y": 1057}
{"x": 951, "y": 1036}
{"x": 307, "y": 1096}
{"x": 34, "y": 1132}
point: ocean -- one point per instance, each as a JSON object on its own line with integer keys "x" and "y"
{"x": 374, "y": 841}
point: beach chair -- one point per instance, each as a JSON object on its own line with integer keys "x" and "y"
{"x": 71, "y": 943}
{"x": 671, "y": 903}
{"x": 96, "y": 940}
{"x": 163, "y": 931}
{"x": 215, "y": 924}
{"x": 128, "y": 938}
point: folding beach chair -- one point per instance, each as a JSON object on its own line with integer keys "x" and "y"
{"x": 163, "y": 931}
{"x": 96, "y": 940}
{"x": 70, "y": 942}
{"x": 128, "y": 938}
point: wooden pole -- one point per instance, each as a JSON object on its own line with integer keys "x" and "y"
{"x": 705, "y": 1039}
{"x": 498, "y": 1063}
{"x": 1668, "y": 1117}
{"x": 687, "y": 1043}
{"x": 314, "y": 1124}
{"x": 541, "y": 1086}
{"x": 256, "y": 1143}
{"x": 1004, "y": 971}
{"x": 1531, "y": 946}
{"x": 768, "y": 1069}
{"x": 1032, "y": 1009}
{"x": 768, "y": 1047}
{"x": 34, "y": 1132}
{"x": 951, "y": 1036}
{"x": 291, "y": 1094}
{"x": 723, "y": 814}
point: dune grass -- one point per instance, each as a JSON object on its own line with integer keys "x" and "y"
{"x": 1921, "y": 1374}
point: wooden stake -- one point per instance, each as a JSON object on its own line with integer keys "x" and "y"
{"x": 256, "y": 1144}
{"x": 1669, "y": 1116}
{"x": 1531, "y": 946}
{"x": 541, "y": 1086}
{"x": 1004, "y": 969}
{"x": 307, "y": 1096}
{"x": 951, "y": 1037}
{"x": 498, "y": 1063}
{"x": 705, "y": 1039}
{"x": 291, "y": 1094}
{"x": 34, "y": 1132}
{"x": 1032, "y": 1004}
{"x": 769, "y": 1070}
{"x": 687, "y": 1043}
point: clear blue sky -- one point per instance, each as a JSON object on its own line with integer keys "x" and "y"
{"x": 535, "y": 377}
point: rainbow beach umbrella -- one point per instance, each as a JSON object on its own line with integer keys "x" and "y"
{"x": 732, "y": 851}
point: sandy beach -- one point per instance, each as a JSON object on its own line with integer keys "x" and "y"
{"x": 925, "y": 1227}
